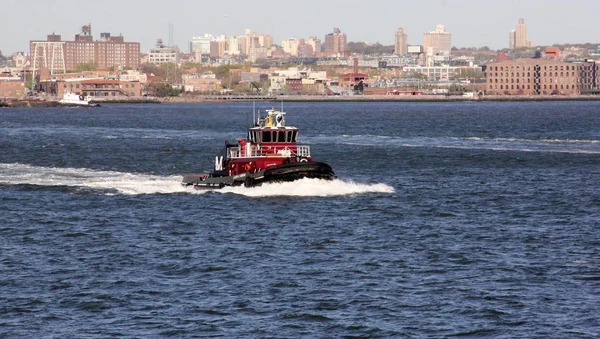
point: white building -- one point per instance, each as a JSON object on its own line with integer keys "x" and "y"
{"x": 164, "y": 55}
{"x": 201, "y": 43}
{"x": 290, "y": 46}
{"x": 278, "y": 80}
{"x": 233, "y": 46}
{"x": 438, "y": 73}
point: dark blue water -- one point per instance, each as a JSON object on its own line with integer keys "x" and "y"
{"x": 447, "y": 220}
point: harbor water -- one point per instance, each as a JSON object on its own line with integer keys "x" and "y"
{"x": 464, "y": 219}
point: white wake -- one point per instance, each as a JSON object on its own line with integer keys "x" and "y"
{"x": 309, "y": 188}
{"x": 124, "y": 183}
{"x": 133, "y": 184}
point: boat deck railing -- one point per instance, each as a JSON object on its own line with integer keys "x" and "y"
{"x": 268, "y": 151}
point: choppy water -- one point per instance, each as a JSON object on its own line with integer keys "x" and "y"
{"x": 446, "y": 220}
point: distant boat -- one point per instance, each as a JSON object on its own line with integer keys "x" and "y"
{"x": 74, "y": 100}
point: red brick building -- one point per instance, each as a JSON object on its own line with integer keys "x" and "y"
{"x": 10, "y": 88}
{"x": 335, "y": 43}
{"x": 109, "y": 51}
{"x": 540, "y": 77}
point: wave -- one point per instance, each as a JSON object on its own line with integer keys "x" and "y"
{"x": 575, "y": 146}
{"x": 551, "y": 141}
{"x": 111, "y": 182}
{"x": 117, "y": 133}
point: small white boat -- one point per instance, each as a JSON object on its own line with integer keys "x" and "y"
{"x": 72, "y": 99}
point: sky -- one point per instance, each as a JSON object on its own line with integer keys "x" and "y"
{"x": 473, "y": 23}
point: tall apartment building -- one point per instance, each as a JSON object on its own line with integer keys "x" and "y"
{"x": 234, "y": 46}
{"x": 218, "y": 47}
{"x": 252, "y": 40}
{"x": 108, "y": 51}
{"x": 438, "y": 41}
{"x": 315, "y": 43}
{"x": 335, "y": 43}
{"x": 517, "y": 38}
{"x": 201, "y": 44}
{"x": 401, "y": 45}
{"x": 290, "y": 46}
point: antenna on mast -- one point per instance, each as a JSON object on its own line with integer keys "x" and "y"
{"x": 171, "y": 42}
{"x": 253, "y": 111}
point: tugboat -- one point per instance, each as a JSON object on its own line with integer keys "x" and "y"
{"x": 268, "y": 154}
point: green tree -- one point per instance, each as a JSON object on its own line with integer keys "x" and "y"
{"x": 221, "y": 72}
{"x": 469, "y": 73}
{"x": 161, "y": 89}
{"x": 85, "y": 67}
{"x": 418, "y": 75}
{"x": 28, "y": 81}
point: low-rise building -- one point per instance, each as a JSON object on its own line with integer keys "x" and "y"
{"x": 296, "y": 81}
{"x": 98, "y": 88}
{"x": 539, "y": 76}
{"x": 439, "y": 73}
{"x": 11, "y": 87}
{"x": 203, "y": 83}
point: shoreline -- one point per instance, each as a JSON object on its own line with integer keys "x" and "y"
{"x": 311, "y": 98}
{"x": 379, "y": 98}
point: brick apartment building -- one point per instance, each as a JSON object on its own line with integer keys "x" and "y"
{"x": 335, "y": 43}
{"x": 108, "y": 51}
{"x": 541, "y": 77}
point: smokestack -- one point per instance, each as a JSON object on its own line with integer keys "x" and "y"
{"x": 355, "y": 65}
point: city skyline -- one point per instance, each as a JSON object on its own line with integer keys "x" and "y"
{"x": 472, "y": 23}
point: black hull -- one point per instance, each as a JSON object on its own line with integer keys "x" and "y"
{"x": 280, "y": 173}
{"x": 298, "y": 170}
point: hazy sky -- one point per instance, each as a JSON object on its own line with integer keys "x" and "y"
{"x": 471, "y": 22}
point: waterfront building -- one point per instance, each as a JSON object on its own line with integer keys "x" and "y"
{"x": 297, "y": 81}
{"x": 109, "y": 89}
{"x": 439, "y": 73}
{"x": 438, "y": 41}
{"x": 12, "y": 87}
{"x": 204, "y": 83}
{"x": 541, "y": 77}
{"x": 335, "y": 43}
{"x": 401, "y": 45}
{"x": 109, "y": 51}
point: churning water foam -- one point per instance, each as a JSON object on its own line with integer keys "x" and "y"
{"x": 132, "y": 184}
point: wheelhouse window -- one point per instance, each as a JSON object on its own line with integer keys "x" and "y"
{"x": 266, "y": 136}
